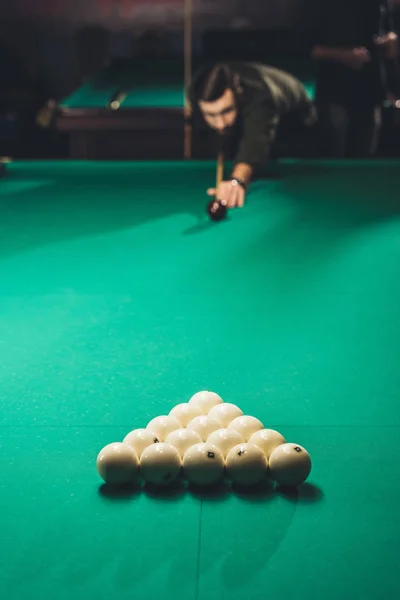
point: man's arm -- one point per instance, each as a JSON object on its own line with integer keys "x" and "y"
{"x": 320, "y": 52}
{"x": 243, "y": 172}
{"x": 354, "y": 58}
{"x": 320, "y": 44}
{"x": 260, "y": 123}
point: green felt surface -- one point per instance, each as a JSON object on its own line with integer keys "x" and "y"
{"x": 157, "y": 85}
{"x": 119, "y": 299}
{"x": 88, "y": 96}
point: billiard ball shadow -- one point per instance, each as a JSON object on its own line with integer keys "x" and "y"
{"x": 171, "y": 491}
{"x": 198, "y": 228}
{"x": 264, "y": 527}
{"x": 262, "y": 491}
{"x": 307, "y": 493}
{"x": 119, "y": 492}
{"x": 204, "y": 226}
{"x": 216, "y": 492}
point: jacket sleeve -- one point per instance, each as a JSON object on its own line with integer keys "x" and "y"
{"x": 260, "y": 123}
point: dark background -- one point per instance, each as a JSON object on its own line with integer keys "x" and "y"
{"x": 47, "y": 47}
{"x": 56, "y": 41}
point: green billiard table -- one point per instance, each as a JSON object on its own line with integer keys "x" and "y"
{"x": 129, "y": 110}
{"x": 120, "y": 299}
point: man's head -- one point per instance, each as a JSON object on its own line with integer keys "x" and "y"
{"x": 215, "y": 91}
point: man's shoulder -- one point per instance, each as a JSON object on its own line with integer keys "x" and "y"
{"x": 254, "y": 76}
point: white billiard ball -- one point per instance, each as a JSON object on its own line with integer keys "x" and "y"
{"x": 160, "y": 464}
{"x": 204, "y": 426}
{"x": 185, "y": 413}
{"x": 140, "y": 439}
{"x": 267, "y": 440}
{"x": 183, "y": 439}
{"x": 163, "y": 426}
{"x": 117, "y": 464}
{"x": 205, "y": 401}
{"x": 203, "y": 464}
{"x": 246, "y": 426}
{"x": 290, "y": 464}
{"x": 246, "y": 464}
{"x": 225, "y": 439}
{"x": 225, "y": 413}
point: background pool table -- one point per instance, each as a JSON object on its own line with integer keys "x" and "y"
{"x": 119, "y": 299}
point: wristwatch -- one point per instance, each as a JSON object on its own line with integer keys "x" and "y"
{"x": 235, "y": 182}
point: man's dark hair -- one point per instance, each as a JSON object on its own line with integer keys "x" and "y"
{"x": 211, "y": 82}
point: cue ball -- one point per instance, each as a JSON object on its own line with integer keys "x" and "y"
{"x": 290, "y": 464}
{"x": 117, "y": 464}
{"x": 163, "y": 426}
{"x": 203, "y": 464}
{"x": 246, "y": 426}
{"x": 225, "y": 413}
{"x": 246, "y": 464}
{"x": 204, "y": 426}
{"x": 183, "y": 439}
{"x": 140, "y": 439}
{"x": 225, "y": 439}
{"x": 267, "y": 440}
{"x": 205, "y": 401}
{"x": 216, "y": 210}
{"x": 160, "y": 464}
{"x": 185, "y": 413}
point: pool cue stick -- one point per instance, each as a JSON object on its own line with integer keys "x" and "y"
{"x": 187, "y": 144}
{"x": 220, "y": 172}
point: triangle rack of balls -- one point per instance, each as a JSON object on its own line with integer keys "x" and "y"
{"x": 204, "y": 439}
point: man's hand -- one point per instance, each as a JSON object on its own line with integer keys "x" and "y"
{"x": 232, "y": 196}
{"x": 389, "y": 45}
{"x": 354, "y": 58}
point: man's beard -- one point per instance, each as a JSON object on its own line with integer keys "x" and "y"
{"x": 226, "y": 139}
{"x": 229, "y": 138}
{"x": 228, "y": 131}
